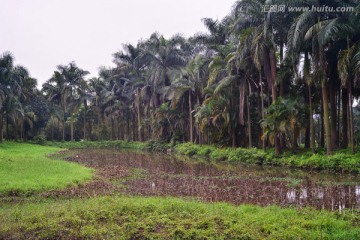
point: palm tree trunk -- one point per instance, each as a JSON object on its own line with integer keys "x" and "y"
{"x": 326, "y": 117}
{"x": 272, "y": 57}
{"x": 133, "y": 126}
{"x": 262, "y": 109}
{"x": 345, "y": 103}
{"x": 111, "y": 122}
{"x": 7, "y": 128}
{"x": 273, "y": 74}
{"x": 190, "y": 119}
{"x": 333, "y": 114}
{"x": 281, "y": 65}
{"x": 351, "y": 118}
{"x": 84, "y": 126}
{"x": 249, "y": 120}
{"x": 63, "y": 125}
{"x": 128, "y": 128}
{"x": 1, "y": 127}
{"x": 52, "y": 133}
{"x": 21, "y": 131}
{"x": 72, "y": 123}
{"x": 138, "y": 115}
{"x": 311, "y": 121}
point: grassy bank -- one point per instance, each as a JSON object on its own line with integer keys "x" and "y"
{"x": 342, "y": 160}
{"x": 25, "y": 168}
{"x": 170, "y": 218}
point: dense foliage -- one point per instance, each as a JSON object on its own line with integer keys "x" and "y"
{"x": 255, "y": 79}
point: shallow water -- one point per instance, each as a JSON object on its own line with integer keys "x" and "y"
{"x": 161, "y": 174}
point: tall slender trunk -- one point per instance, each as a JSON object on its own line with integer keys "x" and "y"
{"x": 326, "y": 117}
{"x": 1, "y": 127}
{"x": 345, "y": 107}
{"x": 249, "y": 120}
{"x": 138, "y": 116}
{"x": 84, "y": 126}
{"x": 111, "y": 122}
{"x": 128, "y": 128}
{"x": 272, "y": 57}
{"x": 7, "y": 128}
{"x": 307, "y": 118}
{"x": 120, "y": 132}
{"x": 333, "y": 119}
{"x": 351, "y": 118}
{"x": 72, "y": 123}
{"x": 63, "y": 125}
{"x": 311, "y": 121}
{"x": 321, "y": 126}
{"x": 262, "y": 109}
{"x": 190, "y": 119}
{"x": 273, "y": 74}
{"x": 281, "y": 65}
{"x": 258, "y": 101}
{"x": 338, "y": 116}
{"x": 22, "y": 130}
{"x": 133, "y": 127}
{"x": 52, "y": 133}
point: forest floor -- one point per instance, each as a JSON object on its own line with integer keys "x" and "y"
{"x": 43, "y": 197}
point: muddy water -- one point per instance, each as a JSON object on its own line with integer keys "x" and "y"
{"x": 161, "y": 174}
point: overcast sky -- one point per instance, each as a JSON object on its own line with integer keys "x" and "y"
{"x": 42, "y": 34}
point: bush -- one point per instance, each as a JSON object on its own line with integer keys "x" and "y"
{"x": 156, "y": 146}
{"x": 40, "y": 139}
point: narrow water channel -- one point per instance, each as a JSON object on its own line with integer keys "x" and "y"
{"x": 154, "y": 174}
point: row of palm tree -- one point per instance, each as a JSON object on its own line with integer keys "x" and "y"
{"x": 17, "y": 89}
{"x": 255, "y": 79}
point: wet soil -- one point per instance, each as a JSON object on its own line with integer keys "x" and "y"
{"x": 142, "y": 173}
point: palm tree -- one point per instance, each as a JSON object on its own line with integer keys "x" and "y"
{"x": 74, "y": 79}
{"x": 11, "y": 82}
{"x": 56, "y": 92}
{"x": 191, "y": 83}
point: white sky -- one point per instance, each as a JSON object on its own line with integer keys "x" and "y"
{"x": 42, "y": 34}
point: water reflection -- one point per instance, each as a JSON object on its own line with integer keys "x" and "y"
{"x": 166, "y": 175}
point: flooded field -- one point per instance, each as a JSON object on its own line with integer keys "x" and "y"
{"x": 148, "y": 174}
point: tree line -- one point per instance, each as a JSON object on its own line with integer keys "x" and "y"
{"x": 255, "y": 79}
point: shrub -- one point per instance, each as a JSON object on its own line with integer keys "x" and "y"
{"x": 40, "y": 139}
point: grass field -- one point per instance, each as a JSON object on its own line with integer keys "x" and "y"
{"x": 123, "y": 217}
{"x": 25, "y": 168}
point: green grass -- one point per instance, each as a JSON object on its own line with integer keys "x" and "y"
{"x": 25, "y": 168}
{"x": 120, "y": 217}
{"x": 341, "y": 161}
